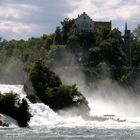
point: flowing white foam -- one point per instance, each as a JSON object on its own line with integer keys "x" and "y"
{"x": 5, "y": 89}
{"x": 43, "y": 115}
{"x": 13, "y": 88}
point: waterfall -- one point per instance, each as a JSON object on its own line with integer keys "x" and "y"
{"x": 42, "y": 115}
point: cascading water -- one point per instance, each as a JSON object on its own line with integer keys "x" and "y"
{"x": 42, "y": 115}
{"x": 46, "y": 124}
{"x": 105, "y": 97}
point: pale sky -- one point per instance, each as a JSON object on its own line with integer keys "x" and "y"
{"x": 22, "y": 19}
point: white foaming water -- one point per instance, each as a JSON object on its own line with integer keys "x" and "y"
{"x": 13, "y": 88}
{"x": 43, "y": 115}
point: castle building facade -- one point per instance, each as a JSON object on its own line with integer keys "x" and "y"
{"x": 83, "y": 23}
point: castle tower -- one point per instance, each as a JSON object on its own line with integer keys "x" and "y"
{"x": 126, "y": 26}
{"x": 127, "y": 37}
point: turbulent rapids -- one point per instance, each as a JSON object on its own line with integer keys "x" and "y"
{"x": 42, "y": 115}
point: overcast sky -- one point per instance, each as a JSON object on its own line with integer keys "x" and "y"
{"x": 21, "y": 19}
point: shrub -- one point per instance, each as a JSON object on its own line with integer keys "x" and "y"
{"x": 50, "y": 90}
{"x": 66, "y": 96}
{"x": 11, "y": 105}
{"x": 22, "y": 114}
{"x": 32, "y": 98}
{"x": 42, "y": 78}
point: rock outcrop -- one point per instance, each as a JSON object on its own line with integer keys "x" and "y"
{"x": 4, "y": 121}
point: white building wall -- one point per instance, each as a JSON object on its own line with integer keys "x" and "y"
{"x": 84, "y": 23}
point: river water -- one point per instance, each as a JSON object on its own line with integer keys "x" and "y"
{"x": 48, "y": 125}
{"x": 71, "y": 133}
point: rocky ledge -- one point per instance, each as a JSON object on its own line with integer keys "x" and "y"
{"x": 6, "y": 121}
{"x": 3, "y": 121}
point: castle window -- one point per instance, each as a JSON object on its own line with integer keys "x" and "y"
{"x": 84, "y": 25}
{"x": 84, "y": 17}
{"x": 90, "y": 25}
{"x": 83, "y": 31}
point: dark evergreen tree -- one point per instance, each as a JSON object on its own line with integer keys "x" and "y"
{"x": 11, "y": 105}
{"x": 58, "y": 36}
{"x": 66, "y": 27}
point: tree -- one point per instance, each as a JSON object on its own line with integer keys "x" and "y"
{"x": 135, "y": 52}
{"x": 42, "y": 78}
{"x": 58, "y": 37}
{"x": 51, "y": 91}
{"x": 49, "y": 42}
{"x": 66, "y": 26}
{"x": 67, "y": 96}
{"x": 95, "y": 56}
{"x": 38, "y": 77}
{"x": 11, "y": 104}
{"x": 23, "y": 115}
{"x": 136, "y": 33}
{"x": 73, "y": 44}
{"x": 87, "y": 40}
{"x": 106, "y": 50}
{"x": 101, "y": 35}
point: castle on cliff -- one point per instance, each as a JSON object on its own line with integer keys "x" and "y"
{"x": 83, "y": 23}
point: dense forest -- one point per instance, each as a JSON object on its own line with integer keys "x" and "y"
{"x": 94, "y": 53}
{"x": 33, "y": 62}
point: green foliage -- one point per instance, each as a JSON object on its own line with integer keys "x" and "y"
{"x": 73, "y": 44}
{"x": 50, "y": 90}
{"x": 56, "y": 56}
{"x": 103, "y": 33}
{"x": 136, "y": 33}
{"x": 73, "y": 38}
{"x": 124, "y": 80}
{"x": 87, "y": 40}
{"x": 95, "y": 56}
{"x": 11, "y": 105}
{"x": 17, "y": 57}
{"x": 66, "y": 96}
{"x": 135, "y": 52}
{"x": 23, "y": 115}
{"x": 66, "y": 27}
{"x": 42, "y": 78}
{"x": 58, "y": 36}
{"x": 32, "y": 98}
